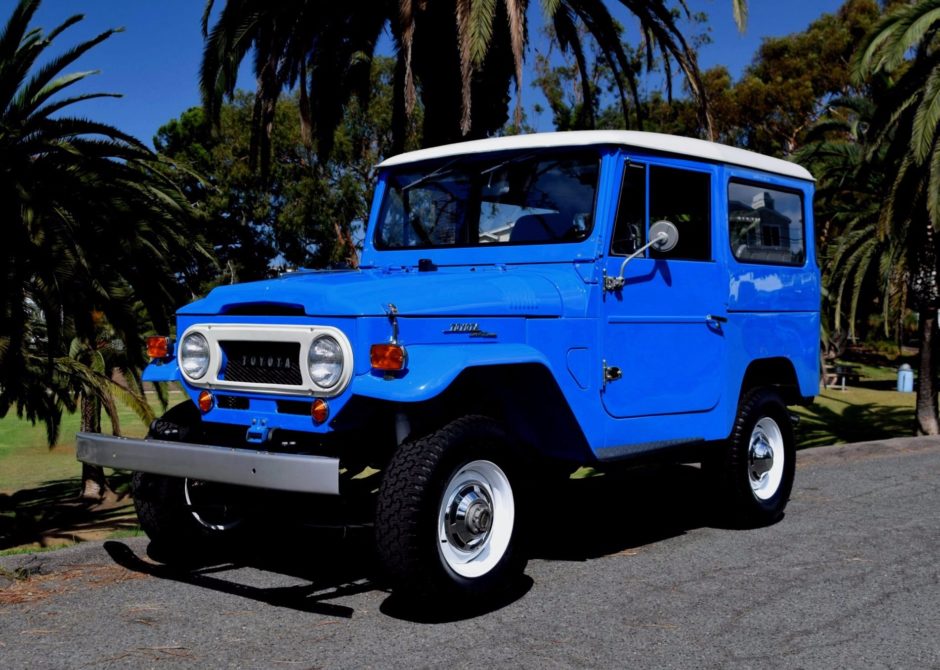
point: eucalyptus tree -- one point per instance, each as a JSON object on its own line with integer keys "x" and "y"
{"x": 95, "y": 239}
{"x": 904, "y": 49}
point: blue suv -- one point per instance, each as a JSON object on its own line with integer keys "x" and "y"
{"x": 524, "y": 305}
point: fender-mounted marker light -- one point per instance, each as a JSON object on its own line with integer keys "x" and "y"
{"x": 206, "y": 402}
{"x": 158, "y": 347}
{"x": 387, "y": 357}
{"x": 320, "y": 411}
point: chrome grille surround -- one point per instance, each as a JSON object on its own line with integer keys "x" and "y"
{"x": 249, "y": 335}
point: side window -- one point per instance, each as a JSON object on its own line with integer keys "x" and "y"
{"x": 766, "y": 224}
{"x": 683, "y": 197}
{"x": 630, "y": 229}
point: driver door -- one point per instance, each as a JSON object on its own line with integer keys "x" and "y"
{"x": 659, "y": 329}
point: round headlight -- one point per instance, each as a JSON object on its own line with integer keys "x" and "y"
{"x": 194, "y": 355}
{"x": 325, "y": 361}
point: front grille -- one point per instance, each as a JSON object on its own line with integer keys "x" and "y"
{"x": 262, "y": 362}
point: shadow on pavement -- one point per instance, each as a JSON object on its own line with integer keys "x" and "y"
{"x": 53, "y": 513}
{"x": 331, "y": 568}
{"x": 572, "y": 520}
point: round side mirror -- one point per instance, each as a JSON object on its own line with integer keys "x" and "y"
{"x": 666, "y": 235}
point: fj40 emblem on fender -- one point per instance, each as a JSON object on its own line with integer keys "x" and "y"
{"x": 471, "y": 329}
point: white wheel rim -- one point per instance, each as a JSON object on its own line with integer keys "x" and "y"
{"x": 205, "y": 522}
{"x": 765, "y": 458}
{"x": 475, "y": 519}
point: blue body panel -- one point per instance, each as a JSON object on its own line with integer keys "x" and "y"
{"x": 545, "y": 305}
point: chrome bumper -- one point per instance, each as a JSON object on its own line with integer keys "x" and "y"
{"x": 245, "y": 467}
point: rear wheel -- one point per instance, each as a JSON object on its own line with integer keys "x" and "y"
{"x": 756, "y": 468}
{"x": 447, "y": 521}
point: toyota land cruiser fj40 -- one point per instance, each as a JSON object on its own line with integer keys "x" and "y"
{"x": 576, "y": 298}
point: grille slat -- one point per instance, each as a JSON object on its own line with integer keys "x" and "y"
{"x": 262, "y": 362}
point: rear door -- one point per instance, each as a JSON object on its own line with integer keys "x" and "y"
{"x": 663, "y": 329}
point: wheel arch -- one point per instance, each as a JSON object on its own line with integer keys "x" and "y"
{"x": 525, "y": 398}
{"x": 777, "y": 372}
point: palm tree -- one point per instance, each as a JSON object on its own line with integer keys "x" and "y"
{"x": 862, "y": 251}
{"x": 455, "y": 53}
{"x": 94, "y": 232}
{"x": 452, "y": 52}
{"x": 904, "y": 49}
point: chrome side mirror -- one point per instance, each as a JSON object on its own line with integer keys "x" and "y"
{"x": 664, "y": 236}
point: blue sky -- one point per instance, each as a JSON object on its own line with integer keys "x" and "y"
{"x": 154, "y": 63}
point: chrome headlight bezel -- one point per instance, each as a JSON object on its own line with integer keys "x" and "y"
{"x": 191, "y": 343}
{"x": 334, "y": 357}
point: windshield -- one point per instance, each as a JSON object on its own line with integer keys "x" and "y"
{"x": 511, "y": 198}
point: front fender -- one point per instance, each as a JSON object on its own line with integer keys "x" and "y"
{"x": 432, "y": 368}
{"x": 162, "y": 371}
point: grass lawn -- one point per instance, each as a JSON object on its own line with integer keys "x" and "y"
{"x": 870, "y": 409}
{"x": 26, "y": 461}
{"x": 39, "y": 508}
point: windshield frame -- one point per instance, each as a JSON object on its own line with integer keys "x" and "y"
{"x": 477, "y": 166}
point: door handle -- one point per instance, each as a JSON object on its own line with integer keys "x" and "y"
{"x": 716, "y": 319}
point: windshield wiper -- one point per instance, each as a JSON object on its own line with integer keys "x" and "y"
{"x": 508, "y": 161}
{"x": 436, "y": 174}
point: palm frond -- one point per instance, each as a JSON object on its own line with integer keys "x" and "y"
{"x": 927, "y": 118}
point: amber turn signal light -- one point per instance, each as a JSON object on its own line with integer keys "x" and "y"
{"x": 320, "y": 411}
{"x": 206, "y": 402}
{"x": 387, "y": 357}
{"x": 158, "y": 347}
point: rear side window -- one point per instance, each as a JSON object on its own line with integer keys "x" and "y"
{"x": 766, "y": 224}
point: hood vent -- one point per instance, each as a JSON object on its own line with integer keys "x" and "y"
{"x": 263, "y": 309}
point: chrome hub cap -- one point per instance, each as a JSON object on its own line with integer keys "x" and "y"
{"x": 204, "y": 502}
{"x": 468, "y": 516}
{"x": 475, "y": 518}
{"x": 765, "y": 458}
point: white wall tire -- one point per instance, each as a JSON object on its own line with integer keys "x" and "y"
{"x": 447, "y": 520}
{"x": 476, "y": 517}
{"x": 754, "y": 471}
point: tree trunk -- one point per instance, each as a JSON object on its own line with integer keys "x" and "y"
{"x": 927, "y": 421}
{"x": 94, "y": 484}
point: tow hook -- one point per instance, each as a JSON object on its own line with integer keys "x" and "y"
{"x": 258, "y": 432}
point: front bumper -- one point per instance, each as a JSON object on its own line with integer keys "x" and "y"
{"x": 244, "y": 467}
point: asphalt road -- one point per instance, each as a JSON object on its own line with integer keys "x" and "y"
{"x": 628, "y": 573}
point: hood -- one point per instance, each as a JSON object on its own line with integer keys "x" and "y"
{"x": 487, "y": 291}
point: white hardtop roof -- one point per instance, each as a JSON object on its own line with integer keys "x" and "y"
{"x": 670, "y": 144}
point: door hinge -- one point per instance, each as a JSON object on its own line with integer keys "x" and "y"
{"x": 611, "y": 373}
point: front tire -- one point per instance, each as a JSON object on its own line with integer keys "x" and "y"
{"x": 756, "y": 469}
{"x": 184, "y": 518}
{"x": 448, "y": 520}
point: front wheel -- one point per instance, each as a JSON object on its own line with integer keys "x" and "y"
{"x": 447, "y": 521}
{"x": 755, "y": 470}
{"x": 185, "y": 518}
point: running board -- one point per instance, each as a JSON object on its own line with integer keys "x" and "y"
{"x": 628, "y": 451}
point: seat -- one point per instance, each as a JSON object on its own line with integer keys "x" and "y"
{"x": 547, "y": 227}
